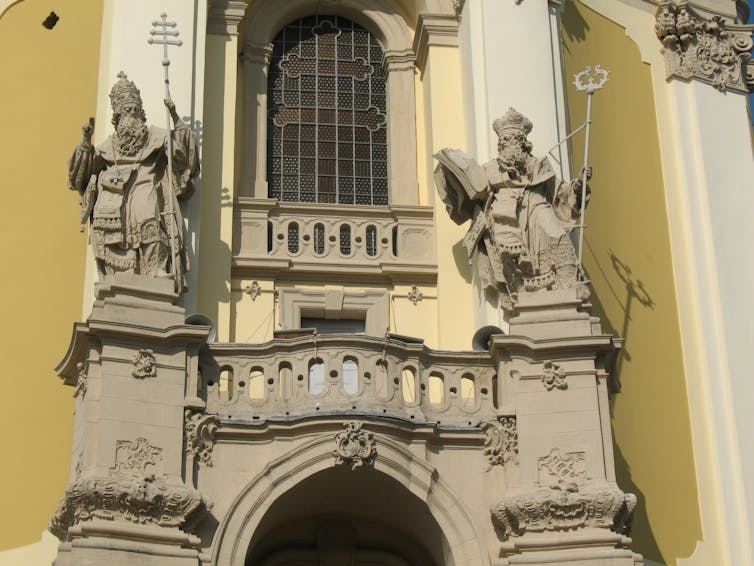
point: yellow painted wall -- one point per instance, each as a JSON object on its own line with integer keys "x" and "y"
{"x": 49, "y": 83}
{"x": 628, "y": 258}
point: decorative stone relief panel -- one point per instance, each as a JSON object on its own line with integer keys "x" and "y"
{"x": 501, "y": 441}
{"x": 354, "y": 447}
{"x": 200, "y": 435}
{"x": 707, "y": 49}
{"x": 136, "y": 457}
{"x": 562, "y": 467}
{"x": 145, "y": 364}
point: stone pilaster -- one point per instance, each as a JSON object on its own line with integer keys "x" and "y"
{"x": 127, "y": 490}
{"x": 562, "y": 505}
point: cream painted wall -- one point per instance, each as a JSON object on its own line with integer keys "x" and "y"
{"x": 49, "y": 89}
{"x": 641, "y": 287}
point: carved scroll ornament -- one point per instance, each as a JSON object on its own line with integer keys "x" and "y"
{"x": 355, "y": 446}
{"x": 200, "y": 435}
{"x": 710, "y": 50}
{"x": 501, "y": 441}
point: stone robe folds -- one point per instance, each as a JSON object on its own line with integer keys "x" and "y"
{"x": 521, "y": 225}
{"x": 124, "y": 198}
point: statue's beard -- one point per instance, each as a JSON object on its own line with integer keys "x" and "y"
{"x": 130, "y": 135}
{"x": 513, "y": 159}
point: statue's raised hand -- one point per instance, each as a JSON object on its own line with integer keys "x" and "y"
{"x": 170, "y": 105}
{"x": 87, "y": 130}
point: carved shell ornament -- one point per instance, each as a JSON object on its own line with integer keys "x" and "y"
{"x": 354, "y": 446}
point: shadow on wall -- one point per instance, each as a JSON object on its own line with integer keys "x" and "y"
{"x": 632, "y": 295}
{"x": 577, "y": 27}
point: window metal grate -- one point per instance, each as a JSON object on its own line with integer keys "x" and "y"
{"x": 293, "y": 237}
{"x": 345, "y": 239}
{"x": 327, "y": 123}
{"x": 371, "y": 237}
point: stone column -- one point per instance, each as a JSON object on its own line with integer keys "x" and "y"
{"x": 128, "y": 362}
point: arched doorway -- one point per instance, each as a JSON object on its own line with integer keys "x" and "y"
{"x": 344, "y": 517}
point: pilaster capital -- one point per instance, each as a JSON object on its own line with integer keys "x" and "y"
{"x": 434, "y": 30}
{"x": 223, "y": 16}
{"x": 705, "y": 48}
{"x": 256, "y": 53}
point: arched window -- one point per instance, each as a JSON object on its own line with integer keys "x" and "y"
{"x": 327, "y": 114}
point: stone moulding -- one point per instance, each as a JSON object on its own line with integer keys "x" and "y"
{"x": 564, "y": 507}
{"x": 200, "y": 435}
{"x": 354, "y": 447}
{"x": 501, "y": 441}
{"x": 707, "y": 49}
{"x": 142, "y": 500}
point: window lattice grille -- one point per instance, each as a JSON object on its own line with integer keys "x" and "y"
{"x": 327, "y": 132}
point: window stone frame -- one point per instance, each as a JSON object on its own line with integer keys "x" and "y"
{"x": 375, "y": 304}
{"x": 262, "y": 21}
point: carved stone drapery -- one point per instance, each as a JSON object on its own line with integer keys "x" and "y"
{"x": 200, "y": 435}
{"x": 145, "y": 364}
{"x": 355, "y": 446}
{"x": 145, "y": 500}
{"x": 564, "y": 507}
{"x": 501, "y": 441}
{"x": 135, "y": 491}
{"x": 707, "y": 49}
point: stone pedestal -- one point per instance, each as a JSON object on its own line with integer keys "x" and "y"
{"x": 562, "y": 505}
{"x": 127, "y": 502}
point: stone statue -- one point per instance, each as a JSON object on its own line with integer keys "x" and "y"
{"x": 522, "y": 213}
{"x": 125, "y": 193}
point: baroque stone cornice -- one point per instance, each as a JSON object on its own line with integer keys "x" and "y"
{"x": 434, "y": 30}
{"x": 708, "y": 49}
{"x": 564, "y": 507}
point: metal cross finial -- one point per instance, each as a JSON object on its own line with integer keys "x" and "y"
{"x": 164, "y": 28}
{"x": 166, "y": 33}
{"x": 585, "y": 79}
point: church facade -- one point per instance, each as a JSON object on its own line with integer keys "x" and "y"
{"x": 385, "y": 328}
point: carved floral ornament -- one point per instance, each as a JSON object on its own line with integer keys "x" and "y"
{"x": 354, "y": 446}
{"x": 707, "y": 49}
{"x": 135, "y": 491}
{"x": 553, "y": 376}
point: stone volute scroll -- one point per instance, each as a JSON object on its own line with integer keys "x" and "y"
{"x": 522, "y": 214}
{"x": 125, "y": 192}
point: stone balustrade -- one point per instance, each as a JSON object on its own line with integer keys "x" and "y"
{"x": 350, "y": 240}
{"x": 346, "y": 374}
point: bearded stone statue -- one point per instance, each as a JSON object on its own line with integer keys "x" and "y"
{"x": 125, "y": 191}
{"x": 522, "y": 214}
